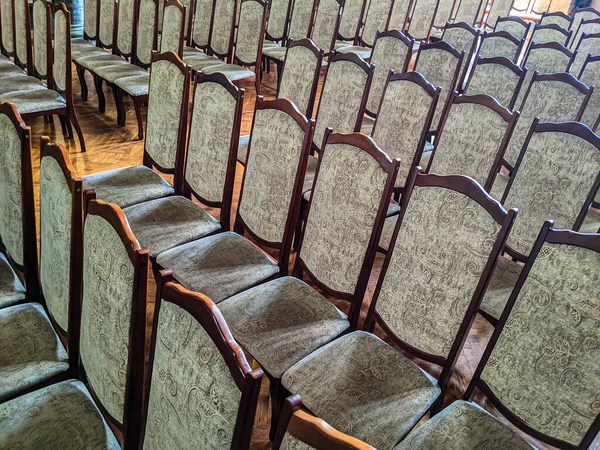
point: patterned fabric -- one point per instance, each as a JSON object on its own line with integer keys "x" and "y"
{"x": 145, "y": 36}
{"x": 298, "y": 77}
{"x": 461, "y": 39}
{"x": 400, "y": 124}
{"x": 125, "y": 24}
{"x": 470, "y": 141}
{"x": 40, "y": 27}
{"x": 112, "y": 73}
{"x": 90, "y": 15}
{"x": 106, "y": 24}
{"x": 492, "y": 46}
{"x": 11, "y": 201}
{"x": 62, "y": 62}
{"x": 202, "y": 19}
{"x": 558, "y": 20}
{"x": 218, "y": 266}
{"x": 56, "y": 213}
{"x": 513, "y": 27}
{"x": 585, "y": 27}
{"x": 6, "y": 14}
{"x": 591, "y": 77}
{"x": 363, "y": 387}
{"x": 300, "y": 21}
{"x": 291, "y": 443}
{"x": 341, "y": 99}
{"x": 278, "y": 10}
{"x": 222, "y": 22}
{"x": 106, "y": 313}
{"x": 469, "y": 11}
{"x": 21, "y": 30}
{"x": 193, "y": 397}
{"x": 551, "y": 183}
{"x": 496, "y": 80}
{"x": 544, "y": 35}
{"x": 135, "y": 86}
{"x": 325, "y": 22}
{"x": 271, "y": 170}
{"x": 499, "y": 8}
{"x": 389, "y": 53}
{"x": 578, "y": 17}
{"x": 250, "y": 31}
{"x": 345, "y": 201}
{"x": 350, "y": 18}
{"x": 57, "y": 417}
{"x": 31, "y": 350}
{"x": 463, "y": 425}
{"x": 504, "y": 278}
{"x": 550, "y": 342}
{"x": 171, "y": 32}
{"x": 422, "y": 18}
{"x": 11, "y": 288}
{"x": 551, "y": 101}
{"x": 397, "y": 15}
{"x": 587, "y": 46}
{"x": 232, "y": 71}
{"x": 167, "y": 222}
{"x": 127, "y": 186}
{"x": 376, "y": 19}
{"x": 281, "y": 322}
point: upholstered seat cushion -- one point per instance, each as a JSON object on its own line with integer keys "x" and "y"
{"x": 11, "y": 70}
{"x": 277, "y": 53}
{"x": 463, "y": 425}
{"x": 114, "y": 72}
{"x": 94, "y": 61}
{"x": 281, "y": 322}
{"x": 363, "y": 52}
{"x": 85, "y": 51}
{"x": 232, "y": 71}
{"x": 136, "y": 86}
{"x": 219, "y": 266}
{"x": 35, "y": 101}
{"x": 339, "y": 44}
{"x": 367, "y": 125}
{"x": 11, "y": 288}
{"x": 267, "y": 43}
{"x": 31, "y": 350}
{"x": 167, "y": 222}
{"x": 591, "y": 223}
{"x": 363, "y": 387}
{"x": 58, "y": 417}
{"x": 504, "y": 278}
{"x": 499, "y": 186}
{"x": 128, "y": 186}
{"x": 200, "y": 61}
{"x": 242, "y": 155}
{"x": 20, "y": 83}
{"x": 189, "y": 51}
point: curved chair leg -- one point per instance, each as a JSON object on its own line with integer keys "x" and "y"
{"x": 118, "y": 96}
{"x": 137, "y": 106}
{"x": 84, "y": 88}
{"x": 100, "y": 92}
{"x": 73, "y": 119}
{"x": 63, "y": 125}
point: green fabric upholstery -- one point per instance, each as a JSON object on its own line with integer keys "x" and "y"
{"x": 21, "y": 11}
{"x": 20, "y": 83}
{"x": 351, "y": 15}
{"x": 167, "y": 222}
{"x": 278, "y": 15}
{"x": 463, "y": 425}
{"x": 291, "y": 443}
{"x": 324, "y": 24}
{"x": 202, "y": 19}
{"x": 492, "y": 46}
{"x": 587, "y": 45}
{"x": 135, "y": 86}
{"x": 113, "y": 73}
{"x": 106, "y": 21}
{"x": 591, "y": 224}
{"x": 90, "y": 13}
{"x": 462, "y": 40}
{"x": 224, "y": 12}
{"x": 31, "y": 350}
{"x": 500, "y": 8}
{"x": 504, "y": 278}
{"x": 421, "y": 18}
{"x": 376, "y": 16}
{"x": 60, "y": 416}
{"x": 277, "y": 53}
{"x": 470, "y": 12}
{"x": 250, "y": 31}
{"x": 201, "y": 61}
{"x": 398, "y": 12}
{"x": 496, "y": 80}
{"x": 81, "y": 52}
{"x": 173, "y": 21}
{"x": 145, "y": 31}
{"x": 11, "y": 288}
{"x": 6, "y": 25}
{"x": 363, "y": 387}
{"x": 40, "y": 27}
{"x": 281, "y": 322}
{"x": 125, "y": 26}
{"x": 128, "y": 186}
{"x": 298, "y": 77}
{"x": 219, "y": 266}
{"x": 300, "y": 20}
{"x": 363, "y": 52}
{"x": 558, "y": 20}
{"x": 95, "y": 61}
{"x": 584, "y": 27}
{"x": 35, "y": 101}
{"x": 510, "y": 26}
{"x": 591, "y": 77}
{"x": 578, "y": 16}
{"x": 11, "y": 71}
{"x": 545, "y": 35}
{"x": 232, "y": 71}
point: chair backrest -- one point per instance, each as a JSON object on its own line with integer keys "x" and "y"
{"x": 213, "y": 143}
{"x": 404, "y": 120}
{"x": 301, "y": 19}
{"x": 217, "y": 390}
{"x": 555, "y": 177}
{"x": 300, "y": 75}
{"x": 443, "y": 251}
{"x": 557, "y": 17}
{"x": 470, "y": 11}
{"x": 513, "y": 25}
{"x": 17, "y": 206}
{"x": 351, "y": 20}
{"x": 62, "y": 71}
{"x": 61, "y": 233}
{"x": 521, "y": 6}
{"x": 464, "y": 38}
{"x": 392, "y": 51}
{"x": 540, "y": 367}
{"x": 271, "y": 192}
{"x": 440, "y": 64}
{"x": 550, "y": 33}
{"x": 7, "y": 38}
{"x": 350, "y": 196}
{"x": 501, "y": 43}
{"x": 326, "y": 23}
{"x": 146, "y": 34}
{"x": 375, "y": 19}
{"x": 472, "y": 138}
{"x": 251, "y": 32}
{"x": 590, "y": 75}
{"x": 580, "y": 14}
{"x": 557, "y": 97}
{"x": 540, "y": 6}
{"x": 42, "y": 39}
{"x": 223, "y": 27}
{"x": 127, "y": 19}
{"x": 106, "y": 23}
{"x": 588, "y": 44}
{"x": 591, "y": 26}
{"x": 173, "y": 31}
{"x": 189, "y": 16}
{"x": 498, "y": 9}
{"x": 499, "y": 77}
{"x": 166, "y": 124}
{"x": 90, "y": 19}
{"x": 279, "y": 11}
{"x": 421, "y": 19}
{"x": 399, "y": 14}
{"x": 443, "y": 15}
{"x": 22, "y": 34}
{"x": 344, "y": 96}
{"x": 202, "y": 23}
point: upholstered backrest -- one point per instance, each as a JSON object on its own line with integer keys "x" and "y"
{"x": 585, "y": 27}
{"x": 41, "y": 28}
{"x": 186, "y": 21}
{"x": 223, "y": 18}
{"x": 22, "y": 33}
{"x": 473, "y": 132}
{"x": 375, "y": 19}
{"x": 341, "y": 101}
{"x": 499, "y": 43}
{"x": 300, "y": 73}
{"x": 552, "y": 181}
{"x": 215, "y": 119}
{"x": 513, "y": 25}
{"x": 462, "y": 37}
{"x": 126, "y": 20}
{"x": 443, "y": 13}
{"x": 404, "y": 119}
{"x": 202, "y": 20}
{"x": 106, "y": 22}
{"x": 6, "y": 26}
{"x": 161, "y": 11}
{"x": 278, "y": 11}
{"x": 498, "y": 77}
{"x": 557, "y": 17}
{"x": 250, "y": 30}
{"x": 146, "y": 31}
{"x": 351, "y": 16}
{"x": 168, "y": 86}
{"x": 173, "y": 27}
{"x": 398, "y": 14}
{"x": 469, "y": 11}
{"x": 390, "y": 52}
{"x": 588, "y": 45}
{"x": 300, "y": 19}
{"x": 590, "y": 75}
{"x": 552, "y": 98}
{"x": 540, "y": 6}
{"x": 421, "y": 19}
{"x": 545, "y": 365}
{"x": 62, "y": 55}
{"x": 549, "y": 33}
{"x": 90, "y": 18}
{"x": 325, "y": 24}
{"x": 582, "y": 14}
{"x": 443, "y": 245}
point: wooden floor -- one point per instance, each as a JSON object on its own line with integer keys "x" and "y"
{"x": 110, "y": 146}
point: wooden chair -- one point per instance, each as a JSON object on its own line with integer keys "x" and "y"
{"x": 499, "y": 77}
{"x": 279, "y": 11}
{"x": 590, "y": 75}
{"x": 470, "y": 12}
{"x": 18, "y": 40}
{"x": 580, "y": 16}
{"x": 420, "y": 19}
{"x": 376, "y": 17}
{"x": 497, "y": 10}
{"x": 399, "y": 11}
{"x": 588, "y": 44}
{"x": 552, "y": 153}
{"x": 324, "y": 29}
{"x": 464, "y": 38}
{"x": 350, "y": 22}
{"x": 513, "y": 25}
{"x": 501, "y": 43}
{"x": 557, "y": 17}
{"x": 552, "y": 32}
{"x": 165, "y": 139}
{"x": 430, "y": 322}
{"x": 7, "y": 30}
{"x": 200, "y": 23}
{"x": 591, "y": 26}
{"x": 90, "y": 28}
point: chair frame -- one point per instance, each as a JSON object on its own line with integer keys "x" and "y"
{"x": 475, "y": 21}
{"x": 182, "y": 31}
{"x": 552, "y": 236}
{"x": 228, "y": 57}
{"x": 192, "y": 24}
{"x": 354, "y": 39}
{"x": 285, "y": 27}
{"x": 560, "y": 14}
{"x": 520, "y": 43}
{"x": 517, "y": 19}
{"x": 553, "y": 45}
{"x": 583, "y": 22}
{"x": 553, "y": 26}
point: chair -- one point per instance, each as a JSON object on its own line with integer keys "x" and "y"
{"x": 589, "y": 75}
{"x": 501, "y": 43}
{"x": 377, "y": 17}
{"x": 470, "y": 12}
{"x": 18, "y": 40}
{"x": 326, "y": 23}
{"x": 557, "y": 17}
{"x": 165, "y": 139}
{"x": 552, "y": 32}
{"x": 588, "y": 45}
{"x": 90, "y": 28}
{"x": 552, "y": 153}
{"x": 464, "y": 38}
{"x": 497, "y": 10}
{"x": 350, "y": 22}
{"x": 399, "y": 11}
{"x": 277, "y": 22}
{"x": 365, "y": 387}
{"x": 199, "y": 36}
{"x": 579, "y": 15}
{"x": 443, "y": 15}
{"x": 499, "y": 77}
{"x": 207, "y": 172}
{"x": 591, "y": 26}
{"x": 421, "y": 18}
{"x": 513, "y": 25}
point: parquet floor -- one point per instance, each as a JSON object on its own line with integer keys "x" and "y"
{"x": 110, "y": 146}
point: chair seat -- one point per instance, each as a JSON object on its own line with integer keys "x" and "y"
{"x": 277, "y": 53}
{"x": 219, "y": 266}
{"x": 167, "y": 222}
{"x": 20, "y": 83}
{"x": 363, "y": 52}
{"x": 387, "y": 231}
{"x": 232, "y": 71}
{"x": 85, "y": 51}
{"x": 11, "y": 70}
{"x": 187, "y": 51}
{"x": 463, "y": 425}
{"x": 112, "y": 73}
{"x": 31, "y": 350}
{"x": 363, "y": 387}
{"x": 367, "y": 125}
{"x": 504, "y": 278}
{"x": 242, "y": 155}
{"x": 39, "y": 100}
{"x": 267, "y": 43}
{"x": 128, "y": 186}
{"x": 339, "y": 44}
{"x": 95, "y": 61}
{"x": 60, "y": 416}
{"x": 591, "y": 223}
{"x": 136, "y": 86}
{"x": 499, "y": 186}
{"x": 200, "y": 61}
{"x": 6, "y": 61}
{"x": 425, "y": 157}
{"x": 11, "y": 288}
{"x": 281, "y": 322}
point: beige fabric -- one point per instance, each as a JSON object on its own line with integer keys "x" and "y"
{"x": 222, "y": 22}
{"x": 11, "y": 288}
{"x": 40, "y": 28}
{"x": 350, "y": 18}
{"x": 578, "y": 16}
{"x": 291, "y": 443}
{"x": 194, "y": 400}
{"x": 558, "y": 20}
{"x": 591, "y": 223}
{"x": 584, "y": 27}
{"x": 200, "y": 61}
{"x": 31, "y": 350}
{"x": 375, "y": 19}
{"x": 496, "y": 80}
{"x": 504, "y": 278}
{"x": 277, "y": 53}
{"x": 363, "y": 52}
{"x": 398, "y": 14}
{"x": 202, "y": 19}
{"x": 300, "y": 20}
{"x": 145, "y": 31}
{"x": 62, "y": 62}
{"x": 21, "y": 43}
{"x": 492, "y": 46}
{"x": 250, "y": 31}
{"x": 363, "y": 387}
{"x": 113, "y": 73}
{"x": 324, "y": 25}
{"x": 35, "y": 101}
{"x": 298, "y": 77}
{"x": 510, "y": 26}
{"x": 125, "y": 25}
{"x": 587, "y": 46}
{"x": 173, "y": 21}
{"x": 136, "y": 86}
{"x": 544, "y": 35}
{"x": 421, "y": 18}
{"x": 444, "y": 11}
{"x": 90, "y": 15}
{"x": 499, "y": 8}
{"x": 7, "y": 16}
{"x": 106, "y": 21}
{"x": 232, "y": 71}
{"x": 461, "y": 39}
{"x": 550, "y": 342}
{"x": 470, "y": 11}
{"x": 345, "y": 201}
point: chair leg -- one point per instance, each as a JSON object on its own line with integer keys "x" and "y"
{"x": 137, "y": 106}
{"x": 75, "y": 121}
{"x": 100, "y": 92}
{"x": 63, "y": 125}
{"x": 277, "y": 392}
{"x": 118, "y": 96}
{"x": 84, "y": 88}
{"x": 257, "y": 84}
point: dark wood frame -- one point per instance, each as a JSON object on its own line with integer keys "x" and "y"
{"x": 49, "y": 50}
{"x": 469, "y": 53}
{"x": 554, "y": 46}
{"x": 470, "y": 188}
{"x": 552, "y": 236}
{"x": 506, "y": 35}
{"x": 553, "y": 26}
{"x": 27, "y": 65}
{"x": 408, "y": 20}
{"x": 526, "y": 25}
{"x": 560, "y": 14}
